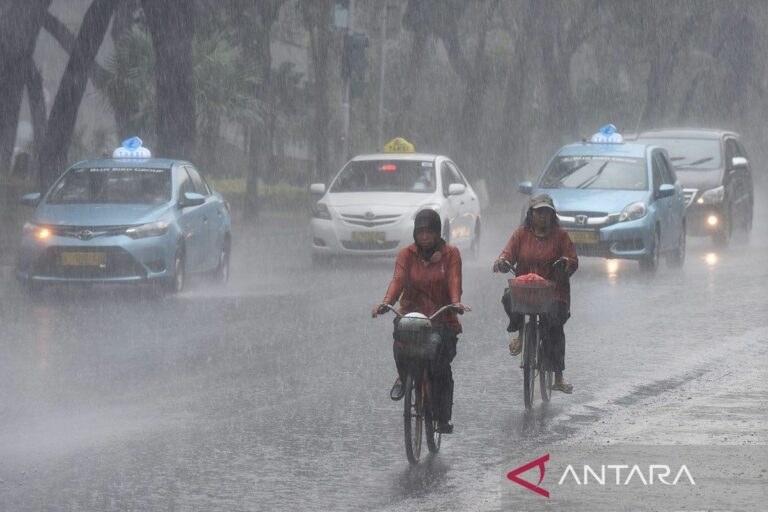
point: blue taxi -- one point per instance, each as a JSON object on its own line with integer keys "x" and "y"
{"x": 617, "y": 199}
{"x": 127, "y": 219}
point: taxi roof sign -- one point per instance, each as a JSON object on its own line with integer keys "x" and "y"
{"x": 399, "y": 145}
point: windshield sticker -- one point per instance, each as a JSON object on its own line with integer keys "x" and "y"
{"x": 427, "y": 164}
{"x": 123, "y": 169}
{"x": 600, "y": 158}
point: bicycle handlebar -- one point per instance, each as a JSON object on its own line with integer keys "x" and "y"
{"x": 506, "y": 267}
{"x": 450, "y": 307}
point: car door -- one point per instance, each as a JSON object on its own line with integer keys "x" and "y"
{"x": 448, "y": 207}
{"x": 676, "y": 203}
{"x": 211, "y": 221}
{"x": 453, "y": 203}
{"x": 468, "y": 204}
{"x": 661, "y": 205}
{"x": 736, "y": 182}
{"x": 191, "y": 222}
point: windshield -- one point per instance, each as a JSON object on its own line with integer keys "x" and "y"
{"x": 113, "y": 185}
{"x": 386, "y": 176}
{"x": 596, "y": 172}
{"x": 691, "y": 153}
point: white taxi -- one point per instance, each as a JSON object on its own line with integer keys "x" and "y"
{"x": 370, "y": 205}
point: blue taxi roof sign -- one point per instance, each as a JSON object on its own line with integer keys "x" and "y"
{"x": 607, "y": 135}
{"x": 399, "y": 145}
{"x": 132, "y": 148}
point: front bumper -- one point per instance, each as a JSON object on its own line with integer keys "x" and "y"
{"x": 121, "y": 259}
{"x": 335, "y": 237}
{"x": 697, "y": 218}
{"x": 629, "y": 240}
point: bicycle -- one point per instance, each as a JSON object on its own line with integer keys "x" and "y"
{"x": 532, "y": 299}
{"x": 420, "y": 347}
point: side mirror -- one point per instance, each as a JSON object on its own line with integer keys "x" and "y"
{"x": 739, "y": 161}
{"x": 191, "y": 199}
{"x": 665, "y": 190}
{"x": 456, "y": 189}
{"x": 317, "y": 188}
{"x": 30, "y": 199}
{"x": 525, "y": 187}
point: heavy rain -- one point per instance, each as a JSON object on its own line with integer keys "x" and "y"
{"x": 193, "y": 331}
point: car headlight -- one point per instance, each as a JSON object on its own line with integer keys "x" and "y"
{"x": 321, "y": 211}
{"x": 146, "y": 230}
{"x": 432, "y": 206}
{"x": 633, "y": 211}
{"x": 36, "y": 231}
{"x": 712, "y": 196}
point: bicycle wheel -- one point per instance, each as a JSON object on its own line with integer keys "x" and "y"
{"x": 430, "y": 423}
{"x": 412, "y": 419}
{"x": 529, "y": 360}
{"x": 546, "y": 377}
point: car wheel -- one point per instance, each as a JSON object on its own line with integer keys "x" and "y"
{"x": 320, "y": 260}
{"x": 31, "y": 288}
{"x": 677, "y": 257}
{"x": 221, "y": 273}
{"x": 650, "y": 263}
{"x": 474, "y": 248}
{"x": 176, "y": 283}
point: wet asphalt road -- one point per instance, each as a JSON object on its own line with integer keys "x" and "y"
{"x": 272, "y": 394}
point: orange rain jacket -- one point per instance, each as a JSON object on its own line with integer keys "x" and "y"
{"x": 426, "y": 287}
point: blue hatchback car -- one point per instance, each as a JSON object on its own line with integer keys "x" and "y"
{"x": 126, "y": 221}
{"x": 617, "y": 200}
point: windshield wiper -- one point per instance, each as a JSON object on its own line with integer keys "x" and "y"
{"x": 586, "y": 183}
{"x": 697, "y": 162}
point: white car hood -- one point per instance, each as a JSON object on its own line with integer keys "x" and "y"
{"x": 388, "y": 200}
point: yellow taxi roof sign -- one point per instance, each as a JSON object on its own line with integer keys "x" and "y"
{"x": 399, "y": 145}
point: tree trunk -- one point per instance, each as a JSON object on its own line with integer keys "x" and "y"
{"x": 257, "y": 45}
{"x": 171, "y": 23}
{"x": 37, "y": 111}
{"x": 317, "y": 20}
{"x": 61, "y": 122}
{"x": 20, "y": 23}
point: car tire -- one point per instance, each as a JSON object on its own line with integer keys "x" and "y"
{"x": 320, "y": 260}
{"x": 474, "y": 248}
{"x": 176, "y": 283}
{"x": 31, "y": 289}
{"x": 650, "y": 263}
{"x": 676, "y": 258}
{"x": 221, "y": 272}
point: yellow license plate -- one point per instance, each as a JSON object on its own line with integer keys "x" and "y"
{"x": 583, "y": 237}
{"x": 84, "y": 259}
{"x": 367, "y": 236}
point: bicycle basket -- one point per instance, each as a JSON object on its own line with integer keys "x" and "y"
{"x": 413, "y": 331}
{"x": 531, "y": 294}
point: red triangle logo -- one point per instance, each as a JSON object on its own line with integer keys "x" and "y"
{"x": 513, "y": 475}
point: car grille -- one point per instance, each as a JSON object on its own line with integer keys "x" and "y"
{"x": 119, "y": 263}
{"x": 369, "y": 246}
{"x": 584, "y": 219}
{"x": 87, "y": 232}
{"x": 689, "y": 194}
{"x": 370, "y": 220}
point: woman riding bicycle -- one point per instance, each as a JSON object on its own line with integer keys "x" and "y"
{"x": 427, "y": 276}
{"x": 534, "y": 248}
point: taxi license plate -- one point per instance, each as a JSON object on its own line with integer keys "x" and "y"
{"x": 583, "y": 237}
{"x": 84, "y": 259}
{"x": 367, "y": 236}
